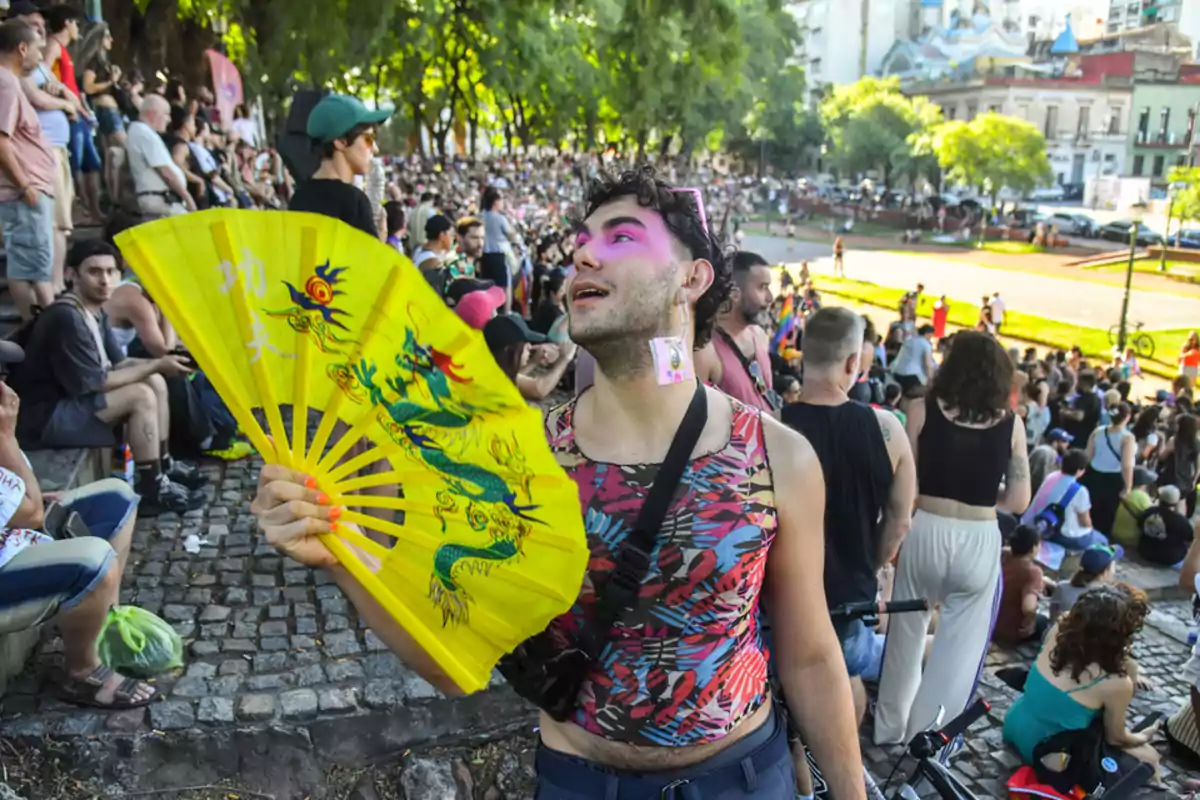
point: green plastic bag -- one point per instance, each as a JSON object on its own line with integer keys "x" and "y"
{"x": 138, "y": 643}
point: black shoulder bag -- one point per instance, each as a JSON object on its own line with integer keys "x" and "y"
{"x": 550, "y": 676}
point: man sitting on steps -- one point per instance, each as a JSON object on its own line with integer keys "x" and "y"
{"x": 77, "y": 385}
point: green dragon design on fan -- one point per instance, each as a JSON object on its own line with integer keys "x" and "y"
{"x": 491, "y": 504}
{"x": 402, "y": 411}
{"x": 313, "y": 311}
{"x": 451, "y": 560}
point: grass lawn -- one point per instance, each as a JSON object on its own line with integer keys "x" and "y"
{"x": 1027, "y": 327}
{"x": 1186, "y": 271}
{"x": 1013, "y": 248}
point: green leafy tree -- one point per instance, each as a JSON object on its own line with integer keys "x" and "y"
{"x": 630, "y": 72}
{"x": 991, "y": 152}
{"x": 1187, "y": 197}
{"x": 869, "y": 125}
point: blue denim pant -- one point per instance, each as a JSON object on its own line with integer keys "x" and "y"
{"x": 82, "y": 147}
{"x": 757, "y": 766}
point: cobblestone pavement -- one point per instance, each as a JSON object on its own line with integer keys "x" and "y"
{"x": 283, "y": 680}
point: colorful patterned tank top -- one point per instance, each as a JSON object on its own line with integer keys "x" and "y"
{"x": 689, "y": 663}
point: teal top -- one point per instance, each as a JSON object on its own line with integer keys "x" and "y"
{"x": 1045, "y": 710}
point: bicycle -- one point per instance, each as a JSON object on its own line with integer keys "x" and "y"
{"x": 1141, "y": 342}
{"x": 931, "y": 773}
{"x": 868, "y": 611}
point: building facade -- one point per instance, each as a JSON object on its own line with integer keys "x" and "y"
{"x": 1163, "y": 131}
{"x": 1124, "y": 15}
{"x": 1086, "y": 125}
{"x": 843, "y": 40}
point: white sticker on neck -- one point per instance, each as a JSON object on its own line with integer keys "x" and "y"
{"x": 672, "y": 361}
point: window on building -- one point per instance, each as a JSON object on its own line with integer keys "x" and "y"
{"x": 950, "y": 112}
{"x": 1164, "y": 123}
{"x": 1143, "y": 129}
{"x": 1085, "y": 121}
{"x": 1114, "y": 121}
{"x": 972, "y": 111}
{"x": 993, "y": 109}
{"x": 1158, "y": 166}
{"x": 1023, "y": 112}
{"x": 1050, "y": 129}
{"x": 1181, "y": 161}
{"x": 814, "y": 66}
{"x": 1138, "y": 162}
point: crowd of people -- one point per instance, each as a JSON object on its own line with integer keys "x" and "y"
{"x": 95, "y": 364}
{"x": 927, "y": 481}
{"x": 923, "y": 464}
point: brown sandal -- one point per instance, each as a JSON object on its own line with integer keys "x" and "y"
{"x": 83, "y": 691}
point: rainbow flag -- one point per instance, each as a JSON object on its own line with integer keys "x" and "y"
{"x": 787, "y": 324}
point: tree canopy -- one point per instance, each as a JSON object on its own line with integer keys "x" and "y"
{"x": 871, "y": 127}
{"x": 992, "y": 152}
{"x": 636, "y": 74}
{"x": 1186, "y": 207}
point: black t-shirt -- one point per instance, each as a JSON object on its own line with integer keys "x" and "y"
{"x": 858, "y": 478}
{"x": 61, "y": 361}
{"x": 1089, "y": 404}
{"x": 1166, "y": 536}
{"x": 544, "y": 318}
{"x": 336, "y": 199}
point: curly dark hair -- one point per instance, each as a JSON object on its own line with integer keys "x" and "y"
{"x": 976, "y": 379}
{"x": 1099, "y": 629}
{"x": 681, "y": 215}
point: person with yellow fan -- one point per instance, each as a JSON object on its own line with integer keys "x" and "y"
{"x": 301, "y": 322}
{"x": 655, "y": 682}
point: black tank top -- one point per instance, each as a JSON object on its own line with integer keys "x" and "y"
{"x": 961, "y": 463}
{"x": 858, "y": 478}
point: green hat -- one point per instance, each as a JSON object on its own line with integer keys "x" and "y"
{"x": 336, "y": 114}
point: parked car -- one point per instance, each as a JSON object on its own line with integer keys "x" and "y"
{"x": 1048, "y": 194}
{"x": 1188, "y": 239}
{"x": 1119, "y": 232}
{"x": 1026, "y": 218}
{"x": 1073, "y": 224}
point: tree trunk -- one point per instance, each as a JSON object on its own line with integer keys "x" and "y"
{"x": 641, "y": 144}
{"x": 473, "y": 132}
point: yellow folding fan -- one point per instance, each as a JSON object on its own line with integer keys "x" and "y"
{"x": 302, "y": 311}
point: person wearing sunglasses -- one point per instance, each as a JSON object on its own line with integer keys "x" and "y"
{"x": 342, "y": 129}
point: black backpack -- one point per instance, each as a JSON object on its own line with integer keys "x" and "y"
{"x": 1089, "y": 762}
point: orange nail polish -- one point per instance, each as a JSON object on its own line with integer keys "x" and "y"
{"x": 322, "y": 499}
{"x": 335, "y": 513}
{"x": 333, "y": 526}
{"x": 310, "y": 482}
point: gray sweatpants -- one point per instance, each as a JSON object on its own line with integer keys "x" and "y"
{"x": 954, "y": 563}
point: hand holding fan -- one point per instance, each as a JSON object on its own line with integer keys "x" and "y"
{"x": 287, "y": 309}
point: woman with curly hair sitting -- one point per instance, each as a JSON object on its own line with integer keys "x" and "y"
{"x": 1085, "y": 670}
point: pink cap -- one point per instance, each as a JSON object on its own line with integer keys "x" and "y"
{"x": 476, "y": 308}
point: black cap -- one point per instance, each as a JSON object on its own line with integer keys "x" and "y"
{"x": 22, "y": 8}
{"x": 436, "y": 225}
{"x": 506, "y": 329}
{"x": 464, "y": 286}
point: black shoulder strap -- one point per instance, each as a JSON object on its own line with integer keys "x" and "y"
{"x": 620, "y": 594}
{"x": 737, "y": 351}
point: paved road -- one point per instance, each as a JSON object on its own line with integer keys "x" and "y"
{"x": 1077, "y": 302}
